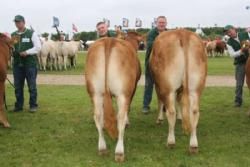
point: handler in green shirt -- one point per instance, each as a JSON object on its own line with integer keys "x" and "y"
{"x": 25, "y": 64}
{"x": 161, "y": 24}
{"x": 240, "y": 56}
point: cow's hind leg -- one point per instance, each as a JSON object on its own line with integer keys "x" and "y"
{"x": 60, "y": 62}
{"x": 194, "y": 118}
{"x": 171, "y": 115}
{"x": 161, "y": 112}
{"x": 3, "y": 118}
{"x": 44, "y": 62}
{"x": 65, "y": 62}
{"x": 99, "y": 121}
{"x": 74, "y": 61}
{"x": 122, "y": 118}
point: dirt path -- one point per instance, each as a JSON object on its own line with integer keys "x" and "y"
{"x": 44, "y": 79}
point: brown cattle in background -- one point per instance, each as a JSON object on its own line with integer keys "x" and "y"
{"x": 178, "y": 63}
{"x": 220, "y": 47}
{"x": 216, "y": 47}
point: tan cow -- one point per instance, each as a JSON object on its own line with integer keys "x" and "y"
{"x": 112, "y": 69}
{"x": 5, "y": 49}
{"x": 179, "y": 66}
{"x": 211, "y": 46}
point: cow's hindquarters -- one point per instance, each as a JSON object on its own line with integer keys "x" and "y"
{"x": 178, "y": 64}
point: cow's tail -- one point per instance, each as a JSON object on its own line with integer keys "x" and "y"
{"x": 110, "y": 122}
{"x": 247, "y": 68}
{"x": 185, "y": 95}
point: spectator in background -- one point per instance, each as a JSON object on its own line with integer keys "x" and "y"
{"x": 161, "y": 24}
{"x": 102, "y": 30}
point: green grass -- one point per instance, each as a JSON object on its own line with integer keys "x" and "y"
{"x": 63, "y": 133}
{"x": 216, "y": 66}
{"x": 220, "y": 66}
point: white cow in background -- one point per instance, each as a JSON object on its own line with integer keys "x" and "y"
{"x": 49, "y": 55}
{"x": 69, "y": 52}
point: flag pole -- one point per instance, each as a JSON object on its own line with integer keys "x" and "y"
{"x": 58, "y": 33}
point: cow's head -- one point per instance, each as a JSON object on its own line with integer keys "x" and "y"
{"x": 135, "y": 39}
{"x": 7, "y": 44}
{"x": 10, "y": 41}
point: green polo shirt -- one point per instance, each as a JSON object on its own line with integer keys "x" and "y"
{"x": 22, "y": 45}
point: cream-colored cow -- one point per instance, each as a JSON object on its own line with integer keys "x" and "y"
{"x": 179, "y": 66}
{"x": 112, "y": 69}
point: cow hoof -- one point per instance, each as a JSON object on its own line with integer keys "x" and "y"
{"x": 171, "y": 145}
{"x": 6, "y": 125}
{"x": 248, "y": 114}
{"x": 127, "y": 125}
{"x": 119, "y": 157}
{"x": 193, "y": 150}
{"x": 103, "y": 152}
{"x": 159, "y": 121}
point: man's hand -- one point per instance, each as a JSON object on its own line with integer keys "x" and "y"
{"x": 245, "y": 46}
{"x": 23, "y": 54}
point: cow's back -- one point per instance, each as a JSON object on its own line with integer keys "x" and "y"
{"x": 70, "y": 48}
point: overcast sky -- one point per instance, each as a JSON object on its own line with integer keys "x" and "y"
{"x": 86, "y": 13}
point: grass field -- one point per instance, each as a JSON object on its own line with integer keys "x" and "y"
{"x": 63, "y": 133}
{"x": 216, "y": 66}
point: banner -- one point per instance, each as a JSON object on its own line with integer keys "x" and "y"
{"x": 107, "y": 22}
{"x": 153, "y": 24}
{"x": 138, "y": 22}
{"x": 32, "y": 29}
{"x": 125, "y": 22}
{"x": 55, "y": 22}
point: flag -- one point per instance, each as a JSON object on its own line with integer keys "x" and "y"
{"x": 125, "y": 22}
{"x": 106, "y": 21}
{"x": 153, "y": 25}
{"x": 32, "y": 29}
{"x": 155, "y": 21}
{"x": 74, "y": 28}
{"x": 55, "y": 22}
{"x": 138, "y": 22}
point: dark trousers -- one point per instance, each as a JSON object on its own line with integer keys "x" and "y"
{"x": 149, "y": 86}
{"x": 240, "y": 78}
{"x": 20, "y": 74}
